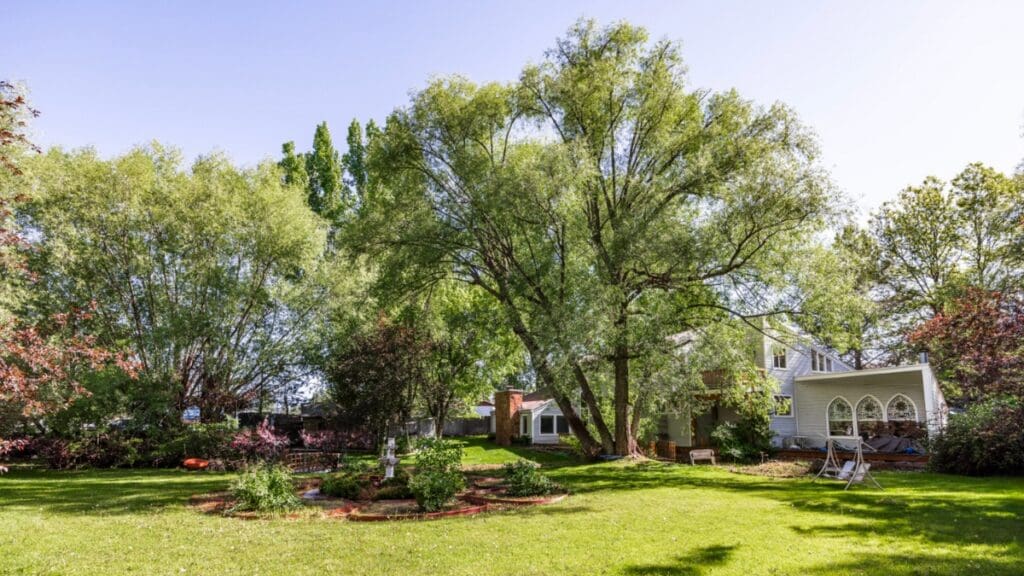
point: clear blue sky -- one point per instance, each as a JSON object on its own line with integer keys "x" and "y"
{"x": 895, "y": 90}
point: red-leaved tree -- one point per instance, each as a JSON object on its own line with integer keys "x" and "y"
{"x": 978, "y": 345}
{"x": 40, "y": 362}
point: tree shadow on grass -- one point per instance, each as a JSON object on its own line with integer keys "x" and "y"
{"x": 106, "y": 492}
{"x": 944, "y": 509}
{"x": 921, "y": 563}
{"x": 693, "y": 564}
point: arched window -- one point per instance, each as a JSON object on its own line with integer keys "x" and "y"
{"x": 840, "y": 418}
{"x": 869, "y": 410}
{"x": 901, "y": 409}
{"x": 869, "y": 416}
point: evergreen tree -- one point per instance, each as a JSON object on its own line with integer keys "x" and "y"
{"x": 294, "y": 166}
{"x": 354, "y": 159}
{"x": 323, "y": 166}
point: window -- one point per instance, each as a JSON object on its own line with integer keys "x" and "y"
{"x": 901, "y": 409}
{"x": 778, "y": 357}
{"x": 547, "y": 424}
{"x": 524, "y": 426}
{"x": 840, "y": 418}
{"x": 783, "y": 405}
{"x": 561, "y": 425}
{"x": 820, "y": 362}
{"x": 869, "y": 410}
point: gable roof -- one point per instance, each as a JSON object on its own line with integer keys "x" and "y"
{"x": 534, "y": 405}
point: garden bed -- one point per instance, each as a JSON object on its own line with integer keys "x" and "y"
{"x": 386, "y": 510}
{"x": 499, "y": 497}
{"x": 486, "y": 493}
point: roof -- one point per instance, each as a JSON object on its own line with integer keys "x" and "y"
{"x": 485, "y": 403}
{"x": 532, "y": 405}
{"x": 860, "y": 373}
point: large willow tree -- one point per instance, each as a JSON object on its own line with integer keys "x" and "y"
{"x": 605, "y": 205}
{"x": 204, "y": 274}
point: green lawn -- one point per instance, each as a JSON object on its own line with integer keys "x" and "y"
{"x": 622, "y": 519}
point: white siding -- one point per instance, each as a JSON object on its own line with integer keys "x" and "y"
{"x": 551, "y": 409}
{"x": 798, "y": 363}
{"x": 811, "y": 399}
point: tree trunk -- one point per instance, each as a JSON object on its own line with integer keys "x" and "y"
{"x": 587, "y": 394}
{"x": 588, "y": 444}
{"x": 623, "y": 437}
{"x": 624, "y": 444}
{"x": 440, "y": 416}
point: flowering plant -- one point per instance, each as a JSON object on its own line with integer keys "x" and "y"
{"x": 262, "y": 443}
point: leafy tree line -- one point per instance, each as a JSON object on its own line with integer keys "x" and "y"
{"x": 597, "y": 228}
{"x": 924, "y": 251}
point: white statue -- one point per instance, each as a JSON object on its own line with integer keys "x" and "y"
{"x": 389, "y": 460}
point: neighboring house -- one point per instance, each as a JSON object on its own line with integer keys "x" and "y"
{"x": 535, "y": 416}
{"x": 821, "y": 396}
{"x": 484, "y": 408}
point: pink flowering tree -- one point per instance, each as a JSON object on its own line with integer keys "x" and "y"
{"x": 336, "y": 441}
{"x": 261, "y": 443}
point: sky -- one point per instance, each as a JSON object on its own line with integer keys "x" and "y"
{"x": 896, "y": 91}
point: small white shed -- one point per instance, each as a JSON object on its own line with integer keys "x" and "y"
{"x": 542, "y": 421}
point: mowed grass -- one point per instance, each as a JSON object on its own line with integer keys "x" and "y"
{"x": 621, "y": 519}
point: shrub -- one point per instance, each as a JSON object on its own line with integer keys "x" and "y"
{"x": 986, "y": 439}
{"x": 265, "y": 488}
{"x": 434, "y": 490}
{"x": 404, "y": 444}
{"x": 522, "y": 440}
{"x": 396, "y": 492}
{"x": 401, "y": 478}
{"x": 439, "y": 455}
{"x": 210, "y": 441}
{"x": 355, "y": 466}
{"x": 342, "y": 485}
{"x": 95, "y": 450}
{"x": 260, "y": 444}
{"x": 571, "y": 442}
{"x": 337, "y": 441}
{"x": 438, "y": 473}
{"x": 743, "y": 441}
{"x": 524, "y": 479}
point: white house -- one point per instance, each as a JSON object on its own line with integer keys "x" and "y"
{"x": 535, "y": 416}
{"x": 820, "y": 396}
{"x": 484, "y": 408}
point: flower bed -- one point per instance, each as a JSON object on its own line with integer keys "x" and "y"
{"x": 500, "y": 498}
{"x": 486, "y": 493}
{"x": 409, "y": 510}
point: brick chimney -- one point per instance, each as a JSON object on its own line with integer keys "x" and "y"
{"x": 506, "y": 414}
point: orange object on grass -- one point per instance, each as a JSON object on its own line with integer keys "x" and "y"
{"x": 196, "y": 463}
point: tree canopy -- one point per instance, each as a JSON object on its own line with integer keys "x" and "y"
{"x": 207, "y": 275}
{"x": 602, "y": 204}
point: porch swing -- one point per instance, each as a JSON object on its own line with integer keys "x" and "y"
{"x": 855, "y": 471}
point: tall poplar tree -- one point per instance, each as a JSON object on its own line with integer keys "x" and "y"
{"x": 294, "y": 166}
{"x": 323, "y": 165}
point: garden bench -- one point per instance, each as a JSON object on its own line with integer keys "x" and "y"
{"x": 702, "y": 455}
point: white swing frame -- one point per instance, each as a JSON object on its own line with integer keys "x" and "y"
{"x": 831, "y": 468}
